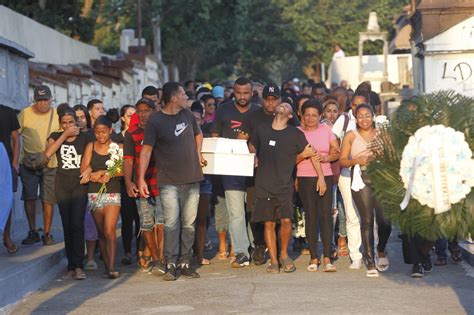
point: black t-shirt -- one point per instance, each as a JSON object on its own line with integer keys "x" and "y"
{"x": 276, "y": 152}
{"x": 174, "y": 147}
{"x": 70, "y": 154}
{"x": 259, "y": 116}
{"x": 8, "y": 124}
{"x": 228, "y": 120}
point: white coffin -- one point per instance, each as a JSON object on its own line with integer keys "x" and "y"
{"x": 224, "y": 145}
{"x": 227, "y": 157}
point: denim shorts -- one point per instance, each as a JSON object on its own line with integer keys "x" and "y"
{"x": 112, "y": 199}
{"x": 44, "y": 179}
{"x": 150, "y": 212}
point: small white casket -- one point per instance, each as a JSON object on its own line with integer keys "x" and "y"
{"x": 227, "y": 157}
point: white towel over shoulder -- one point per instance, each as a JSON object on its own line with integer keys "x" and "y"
{"x": 357, "y": 182}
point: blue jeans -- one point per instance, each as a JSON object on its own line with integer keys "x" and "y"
{"x": 235, "y": 202}
{"x": 180, "y": 203}
{"x": 441, "y": 245}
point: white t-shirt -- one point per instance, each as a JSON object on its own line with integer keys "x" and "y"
{"x": 339, "y": 125}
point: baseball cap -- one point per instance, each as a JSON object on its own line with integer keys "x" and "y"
{"x": 146, "y": 101}
{"x": 218, "y": 91}
{"x": 271, "y": 90}
{"x": 42, "y": 92}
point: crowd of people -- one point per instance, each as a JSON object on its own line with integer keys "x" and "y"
{"x": 312, "y": 147}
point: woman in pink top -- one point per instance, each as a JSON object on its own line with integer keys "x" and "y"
{"x": 317, "y": 206}
{"x": 355, "y": 153}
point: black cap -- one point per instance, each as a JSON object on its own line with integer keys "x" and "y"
{"x": 271, "y": 90}
{"x": 146, "y": 102}
{"x": 41, "y": 93}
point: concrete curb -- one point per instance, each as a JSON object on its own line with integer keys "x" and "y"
{"x": 468, "y": 252}
{"x": 29, "y": 276}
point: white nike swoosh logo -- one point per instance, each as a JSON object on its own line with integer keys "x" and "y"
{"x": 178, "y": 132}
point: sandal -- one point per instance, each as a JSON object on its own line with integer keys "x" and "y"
{"x": 69, "y": 275}
{"x": 12, "y": 249}
{"x": 288, "y": 264}
{"x": 382, "y": 263}
{"x": 79, "y": 274}
{"x": 305, "y": 251}
{"x": 144, "y": 262}
{"x": 372, "y": 273}
{"x": 113, "y": 274}
{"x": 205, "y": 262}
{"x": 329, "y": 268}
{"x": 273, "y": 268}
{"x": 313, "y": 265}
{"x": 222, "y": 255}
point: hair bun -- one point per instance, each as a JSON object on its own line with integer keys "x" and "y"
{"x": 113, "y": 115}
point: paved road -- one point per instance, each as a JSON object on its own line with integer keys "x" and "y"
{"x": 221, "y": 289}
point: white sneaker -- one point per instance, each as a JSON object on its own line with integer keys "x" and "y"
{"x": 356, "y": 264}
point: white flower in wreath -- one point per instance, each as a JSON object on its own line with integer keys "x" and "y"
{"x": 436, "y": 167}
{"x": 381, "y": 120}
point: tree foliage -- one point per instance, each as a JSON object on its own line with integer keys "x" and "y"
{"x": 64, "y": 16}
{"x": 265, "y": 39}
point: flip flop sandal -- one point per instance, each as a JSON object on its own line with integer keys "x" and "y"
{"x": 273, "y": 268}
{"x": 288, "y": 264}
{"x": 11, "y": 249}
{"x": 329, "y": 268}
{"x": 146, "y": 264}
{"x": 222, "y": 255}
{"x": 383, "y": 264}
{"x": 205, "y": 262}
{"x": 312, "y": 267}
{"x": 80, "y": 276}
{"x": 114, "y": 275}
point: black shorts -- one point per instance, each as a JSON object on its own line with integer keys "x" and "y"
{"x": 272, "y": 209}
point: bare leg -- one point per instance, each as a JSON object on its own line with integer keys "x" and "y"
{"x": 30, "y": 210}
{"x": 111, "y": 214}
{"x": 151, "y": 244}
{"x": 270, "y": 240}
{"x": 285, "y": 235}
{"x": 98, "y": 215}
{"x": 222, "y": 241}
{"x": 47, "y": 217}
{"x": 7, "y": 240}
{"x": 90, "y": 245}
{"x": 160, "y": 239}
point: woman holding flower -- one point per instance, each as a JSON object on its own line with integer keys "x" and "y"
{"x": 101, "y": 167}
{"x": 356, "y": 153}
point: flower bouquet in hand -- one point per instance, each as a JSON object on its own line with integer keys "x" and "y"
{"x": 114, "y": 166}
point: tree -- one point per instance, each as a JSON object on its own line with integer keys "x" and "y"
{"x": 64, "y": 16}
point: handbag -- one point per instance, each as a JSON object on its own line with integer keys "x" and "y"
{"x": 37, "y": 161}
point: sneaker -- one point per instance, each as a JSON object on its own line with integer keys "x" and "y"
{"x": 456, "y": 255}
{"x": 258, "y": 255}
{"x": 417, "y": 271}
{"x": 188, "y": 272}
{"x": 427, "y": 267}
{"x": 240, "y": 261}
{"x": 356, "y": 264}
{"x": 157, "y": 268}
{"x": 170, "y": 274}
{"x": 33, "y": 237}
{"x": 47, "y": 239}
{"x": 91, "y": 265}
{"x": 440, "y": 261}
